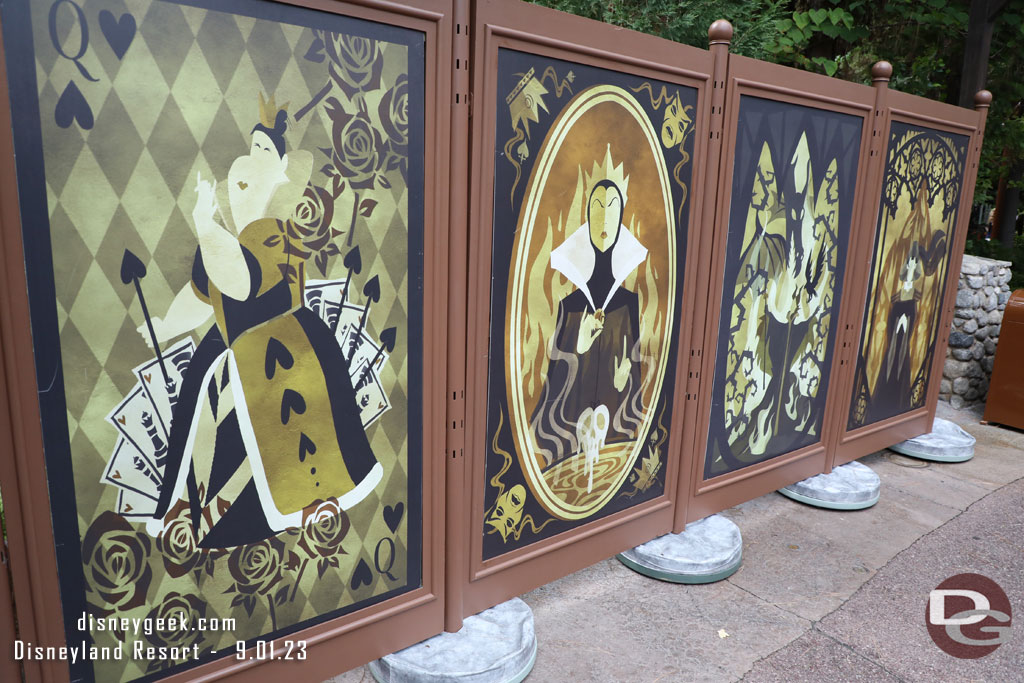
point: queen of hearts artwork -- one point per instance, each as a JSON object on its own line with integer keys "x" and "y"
{"x": 266, "y": 423}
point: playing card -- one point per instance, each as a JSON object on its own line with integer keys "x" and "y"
{"x": 131, "y": 504}
{"x": 360, "y": 351}
{"x": 322, "y": 297}
{"x": 136, "y": 419}
{"x": 128, "y": 470}
{"x": 369, "y": 395}
{"x": 164, "y": 396}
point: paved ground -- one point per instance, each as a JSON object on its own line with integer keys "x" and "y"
{"x": 822, "y": 595}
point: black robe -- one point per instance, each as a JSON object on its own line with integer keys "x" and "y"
{"x": 575, "y": 382}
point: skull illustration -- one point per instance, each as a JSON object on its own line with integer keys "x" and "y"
{"x": 591, "y": 431}
{"x": 508, "y": 511}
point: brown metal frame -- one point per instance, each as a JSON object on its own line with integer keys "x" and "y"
{"x": 895, "y": 106}
{"x": 760, "y": 79}
{"x": 10, "y": 670}
{"x": 334, "y": 646}
{"x": 476, "y": 584}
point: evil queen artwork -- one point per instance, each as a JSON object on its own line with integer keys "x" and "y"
{"x": 599, "y": 321}
{"x": 592, "y": 173}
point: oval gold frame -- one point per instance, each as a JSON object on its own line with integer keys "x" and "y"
{"x": 519, "y": 421}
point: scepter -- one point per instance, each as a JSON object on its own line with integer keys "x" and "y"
{"x": 133, "y": 270}
{"x": 354, "y": 264}
{"x": 371, "y": 290}
{"x": 387, "y": 340}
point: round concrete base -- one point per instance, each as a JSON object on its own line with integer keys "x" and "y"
{"x": 709, "y": 550}
{"x": 947, "y": 442}
{"x": 852, "y": 486}
{"x": 496, "y": 646}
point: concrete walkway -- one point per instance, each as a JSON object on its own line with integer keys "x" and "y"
{"x": 822, "y": 595}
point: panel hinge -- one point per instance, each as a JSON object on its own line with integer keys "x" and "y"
{"x": 694, "y": 363}
{"x": 461, "y": 96}
{"x": 455, "y": 424}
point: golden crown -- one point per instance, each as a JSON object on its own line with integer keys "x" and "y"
{"x": 607, "y": 170}
{"x": 269, "y": 110}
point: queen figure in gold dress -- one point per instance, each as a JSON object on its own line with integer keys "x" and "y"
{"x": 266, "y": 424}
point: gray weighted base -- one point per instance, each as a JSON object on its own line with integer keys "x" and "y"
{"x": 947, "y": 442}
{"x": 709, "y": 550}
{"x": 496, "y": 646}
{"x": 852, "y": 486}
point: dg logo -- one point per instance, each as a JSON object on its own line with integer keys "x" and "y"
{"x": 968, "y": 616}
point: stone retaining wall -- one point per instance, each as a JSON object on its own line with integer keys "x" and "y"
{"x": 980, "y": 300}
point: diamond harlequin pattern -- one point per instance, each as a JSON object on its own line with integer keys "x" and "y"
{"x": 182, "y": 100}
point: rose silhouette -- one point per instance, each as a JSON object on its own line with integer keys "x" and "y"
{"x": 116, "y": 562}
{"x": 323, "y": 530}
{"x": 256, "y": 567}
{"x": 356, "y": 145}
{"x": 174, "y": 606}
{"x": 314, "y": 215}
{"x": 394, "y": 115}
{"x": 313, "y": 218}
{"x": 177, "y": 545}
{"x": 355, "y": 62}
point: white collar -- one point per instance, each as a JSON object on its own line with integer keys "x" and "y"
{"x": 574, "y": 259}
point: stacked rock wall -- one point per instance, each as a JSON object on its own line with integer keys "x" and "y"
{"x": 980, "y": 300}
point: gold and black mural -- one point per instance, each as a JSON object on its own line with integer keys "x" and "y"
{"x": 223, "y": 218}
{"x": 592, "y": 172}
{"x": 789, "y": 224}
{"x": 917, "y": 217}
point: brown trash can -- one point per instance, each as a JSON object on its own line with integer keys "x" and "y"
{"x": 1005, "y": 404}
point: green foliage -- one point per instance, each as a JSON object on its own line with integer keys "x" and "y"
{"x": 924, "y": 40}
{"x": 797, "y": 33}
{"x": 688, "y": 22}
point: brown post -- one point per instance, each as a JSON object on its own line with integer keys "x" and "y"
{"x": 455, "y": 489}
{"x": 982, "y": 102}
{"x": 32, "y": 559}
{"x": 719, "y": 37}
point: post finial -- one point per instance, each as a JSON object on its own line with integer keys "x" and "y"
{"x": 720, "y": 32}
{"x": 881, "y": 72}
{"x": 982, "y": 99}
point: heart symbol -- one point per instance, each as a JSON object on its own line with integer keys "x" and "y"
{"x": 277, "y": 354}
{"x": 242, "y": 185}
{"x": 128, "y": 507}
{"x": 148, "y": 377}
{"x": 306, "y": 446}
{"x": 361, "y": 575}
{"x": 72, "y": 107}
{"x": 393, "y": 515}
{"x": 118, "y": 32}
{"x": 291, "y": 401}
{"x": 121, "y": 419}
{"x": 116, "y": 474}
